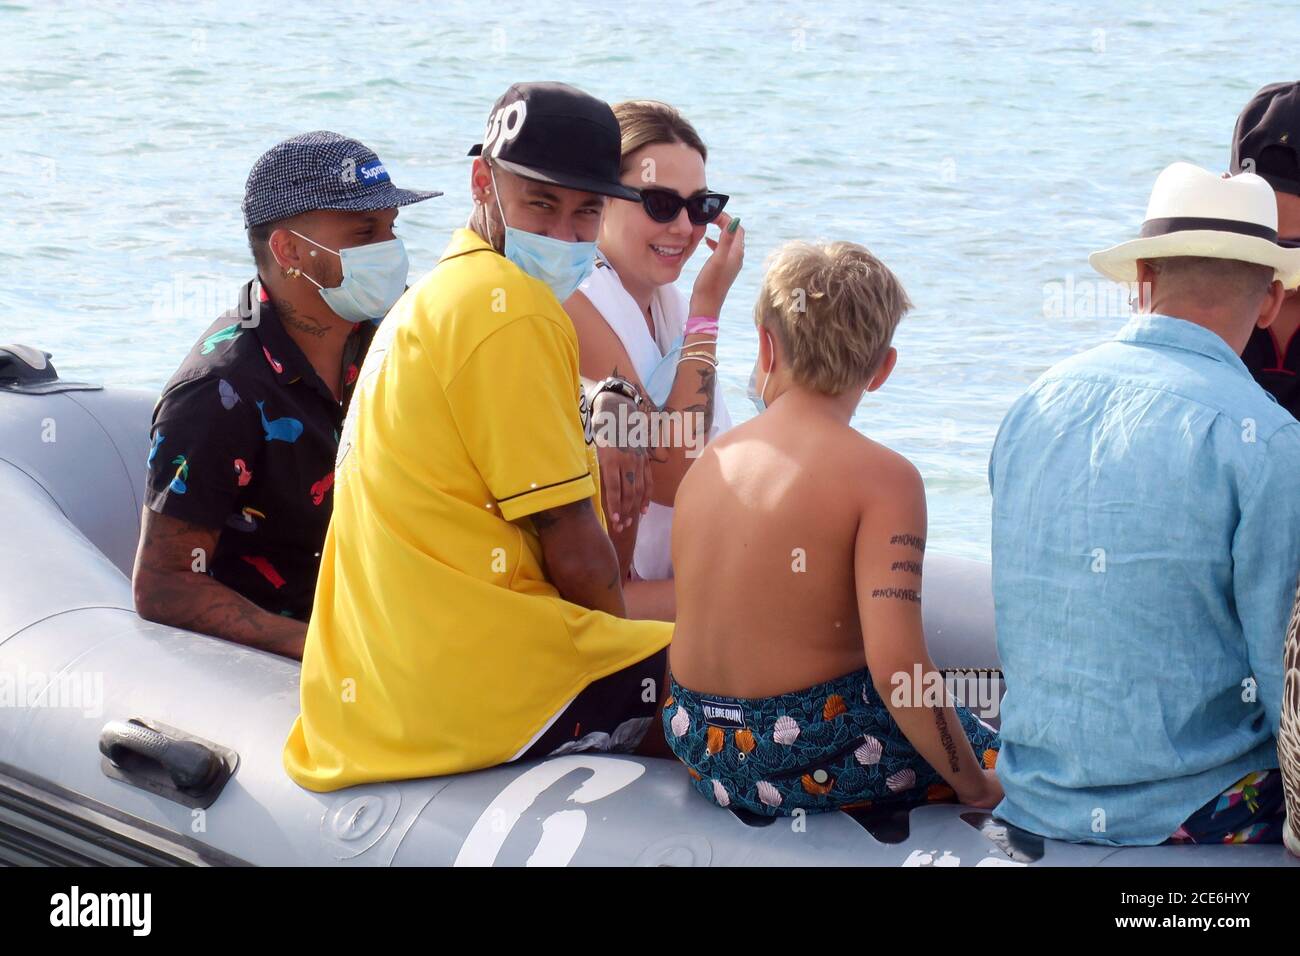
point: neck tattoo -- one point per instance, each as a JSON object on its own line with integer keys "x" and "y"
{"x": 308, "y": 326}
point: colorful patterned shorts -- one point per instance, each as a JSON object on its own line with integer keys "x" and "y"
{"x": 1252, "y": 810}
{"x": 825, "y": 748}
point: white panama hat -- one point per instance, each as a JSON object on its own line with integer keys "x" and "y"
{"x": 1194, "y": 212}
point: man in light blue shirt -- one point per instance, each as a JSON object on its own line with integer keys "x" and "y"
{"x": 1146, "y": 545}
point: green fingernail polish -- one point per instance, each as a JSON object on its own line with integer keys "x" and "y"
{"x": 734, "y": 224}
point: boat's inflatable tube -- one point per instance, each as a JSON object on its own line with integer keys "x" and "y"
{"x": 76, "y": 662}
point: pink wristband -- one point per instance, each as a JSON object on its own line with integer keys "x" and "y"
{"x": 701, "y": 325}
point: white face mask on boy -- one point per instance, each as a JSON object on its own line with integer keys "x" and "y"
{"x": 754, "y": 392}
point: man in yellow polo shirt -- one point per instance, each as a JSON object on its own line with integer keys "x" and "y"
{"x": 469, "y": 610}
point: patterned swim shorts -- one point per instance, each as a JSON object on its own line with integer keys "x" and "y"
{"x": 1252, "y": 810}
{"x": 828, "y": 747}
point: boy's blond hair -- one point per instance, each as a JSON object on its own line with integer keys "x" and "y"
{"x": 834, "y": 306}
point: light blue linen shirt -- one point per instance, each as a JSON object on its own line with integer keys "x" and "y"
{"x": 1146, "y": 544}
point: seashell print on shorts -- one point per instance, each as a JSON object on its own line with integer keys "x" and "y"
{"x": 817, "y": 749}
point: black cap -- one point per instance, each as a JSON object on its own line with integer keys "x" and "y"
{"x": 320, "y": 170}
{"x": 555, "y": 133}
{"x": 1268, "y": 135}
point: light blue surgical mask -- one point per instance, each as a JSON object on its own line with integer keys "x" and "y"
{"x": 374, "y": 278}
{"x": 561, "y": 265}
{"x": 755, "y": 393}
{"x": 659, "y": 383}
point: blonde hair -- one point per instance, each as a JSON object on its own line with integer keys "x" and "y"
{"x": 834, "y": 307}
{"x": 649, "y": 123}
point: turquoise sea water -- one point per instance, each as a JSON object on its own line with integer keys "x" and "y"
{"x": 982, "y": 150}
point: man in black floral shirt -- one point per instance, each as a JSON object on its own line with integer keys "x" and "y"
{"x": 241, "y": 465}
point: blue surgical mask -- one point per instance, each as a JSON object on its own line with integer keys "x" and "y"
{"x": 755, "y": 393}
{"x": 561, "y": 265}
{"x": 660, "y": 381}
{"x": 374, "y": 278}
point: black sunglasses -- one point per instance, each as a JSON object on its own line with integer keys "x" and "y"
{"x": 663, "y": 205}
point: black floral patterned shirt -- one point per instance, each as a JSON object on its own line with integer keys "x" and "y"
{"x": 243, "y": 440}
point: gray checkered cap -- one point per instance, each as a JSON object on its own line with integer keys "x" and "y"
{"x": 320, "y": 170}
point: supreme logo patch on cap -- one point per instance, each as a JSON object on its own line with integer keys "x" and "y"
{"x": 372, "y": 172}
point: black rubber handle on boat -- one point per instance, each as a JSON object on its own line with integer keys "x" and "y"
{"x": 192, "y": 767}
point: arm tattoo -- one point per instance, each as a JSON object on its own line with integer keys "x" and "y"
{"x": 902, "y": 594}
{"x": 699, "y": 412}
{"x": 549, "y": 517}
{"x": 544, "y": 519}
{"x": 945, "y": 738}
{"x": 708, "y": 378}
{"x": 182, "y": 597}
{"x": 910, "y": 567}
{"x": 909, "y": 541}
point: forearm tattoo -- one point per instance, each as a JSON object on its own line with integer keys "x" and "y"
{"x": 708, "y": 382}
{"x": 945, "y": 738}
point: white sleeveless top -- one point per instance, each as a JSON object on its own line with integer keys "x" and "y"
{"x": 652, "y": 558}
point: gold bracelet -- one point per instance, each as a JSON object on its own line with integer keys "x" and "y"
{"x": 697, "y": 358}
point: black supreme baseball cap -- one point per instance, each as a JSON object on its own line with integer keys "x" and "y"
{"x": 1267, "y": 138}
{"x": 555, "y": 133}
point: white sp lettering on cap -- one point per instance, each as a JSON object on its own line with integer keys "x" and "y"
{"x": 504, "y": 126}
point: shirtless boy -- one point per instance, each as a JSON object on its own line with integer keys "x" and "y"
{"x": 798, "y": 546}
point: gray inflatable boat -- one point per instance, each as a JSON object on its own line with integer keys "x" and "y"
{"x": 194, "y": 726}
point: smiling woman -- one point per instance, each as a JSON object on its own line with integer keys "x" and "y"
{"x": 634, "y": 323}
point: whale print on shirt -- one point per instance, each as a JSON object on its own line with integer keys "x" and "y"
{"x": 282, "y": 429}
{"x": 153, "y": 449}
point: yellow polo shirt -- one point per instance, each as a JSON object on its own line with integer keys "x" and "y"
{"x": 436, "y": 644}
